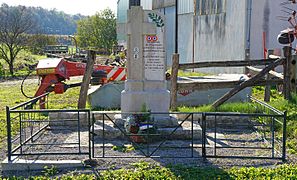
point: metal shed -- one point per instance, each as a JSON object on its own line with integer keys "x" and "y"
{"x": 218, "y": 30}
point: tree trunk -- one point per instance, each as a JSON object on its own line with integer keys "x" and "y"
{"x": 11, "y": 71}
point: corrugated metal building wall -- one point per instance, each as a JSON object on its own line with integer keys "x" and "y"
{"x": 264, "y": 18}
{"x": 218, "y": 36}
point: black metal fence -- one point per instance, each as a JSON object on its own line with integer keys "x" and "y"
{"x": 34, "y": 132}
{"x": 111, "y": 139}
{"x": 258, "y": 135}
{"x": 247, "y": 138}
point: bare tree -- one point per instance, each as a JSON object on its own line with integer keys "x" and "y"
{"x": 15, "y": 24}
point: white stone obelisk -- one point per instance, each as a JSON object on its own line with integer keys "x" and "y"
{"x": 146, "y": 66}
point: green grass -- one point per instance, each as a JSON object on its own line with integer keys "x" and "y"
{"x": 24, "y": 57}
{"x": 144, "y": 170}
{"x": 227, "y": 107}
{"x": 182, "y": 73}
{"x": 190, "y": 73}
{"x": 11, "y": 96}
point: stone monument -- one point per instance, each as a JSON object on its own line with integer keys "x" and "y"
{"x": 146, "y": 84}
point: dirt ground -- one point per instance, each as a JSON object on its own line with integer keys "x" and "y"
{"x": 106, "y": 156}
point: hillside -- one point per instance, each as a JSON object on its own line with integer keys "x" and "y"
{"x": 51, "y": 21}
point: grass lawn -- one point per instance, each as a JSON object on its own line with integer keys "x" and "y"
{"x": 11, "y": 96}
{"x": 143, "y": 170}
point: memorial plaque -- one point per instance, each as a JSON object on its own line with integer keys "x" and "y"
{"x": 146, "y": 64}
{"x": 154, "y": 53}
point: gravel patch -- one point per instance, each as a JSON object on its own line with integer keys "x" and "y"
{"x": 163, "y": 151}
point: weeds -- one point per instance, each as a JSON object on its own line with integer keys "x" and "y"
{"x": 50, "y": 171}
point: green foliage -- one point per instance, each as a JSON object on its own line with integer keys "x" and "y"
{"x": 157, "y": 19}
{"x": 98, "y": 31}
{"x": 50, "y": 171}
{"x": 227, "y": 107}
{"x": 54, "y": 21}
{"x": 39, "y": 41}
{"x": 11, "y": 96}
{"x": 23, "y": 61}
{"x": 142, "y": 170}
{"x": 15, "y": 24}
{"x": 123, "y": 148}
{"x": 280, "y": 172}
{"x": 145, "y": 170}
{"x": 190, "y": 73}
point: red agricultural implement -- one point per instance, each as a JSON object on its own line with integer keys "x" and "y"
{"x": 55, "y": 71}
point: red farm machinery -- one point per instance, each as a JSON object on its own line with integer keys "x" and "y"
{"x": 55, "y": 71}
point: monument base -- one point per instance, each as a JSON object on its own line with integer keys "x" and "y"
{"x": 182, "y": 132}
{"x": 154, "y": 100}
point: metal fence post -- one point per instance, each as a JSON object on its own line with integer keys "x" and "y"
{"x": 284, "y": 136}
{"x": 204, "y": 137}
{"x": 8, "y": 123}
{"x": 89, "y": 134}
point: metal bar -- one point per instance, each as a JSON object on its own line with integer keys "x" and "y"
{"x": 27, "y": 140}
{"x": 244, "y": 157}
{"x": 266, "y": 105}
{"x": 46, "y": 111}
{"x": 242, "y": 114}
{"x": 78, "y": 129}
{"x": 192, "y": 134}
{"x": 89, "y": 134}
{"x": 147, "y": 144}
{"x": 93, "y": 129}
{"x": 272, "y": 136}
{"x": 204, "y": 136}
{"x": 143, "y": 157}
{"x": 31, "y": 126}
{"x": 38, "y": 121}
{"x": 243, "y": 147}
{"x": 8, "y": 128}
{"x": 50, "y": 144}
{"x": 215, "y": 137}
{"x": 21, "y": 149}
{"x": 50, "y": 153}
{"x": 125, "y": 134}
{"x": 245, "y": 125}
{"x": 103, "y": 135}
{"x": 170, "y": 135}
{"x": 34, "y": 100}
{"x": 284, "y": 136}
{"x": 226, "y": 63}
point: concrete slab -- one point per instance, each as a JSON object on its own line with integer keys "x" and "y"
{"x": 32, "y": 165}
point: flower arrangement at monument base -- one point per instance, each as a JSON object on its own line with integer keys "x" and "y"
{"x": 140, "y": 127}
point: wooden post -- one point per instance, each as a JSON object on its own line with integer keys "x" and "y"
{"x": 293, "y": 74}
{"x": 288, "y": 55}
{"x": 247, "y": 83}
{"x": 268, "y": 87}
{"x": 86, "y": 80}
{"x": 174, "y": 72}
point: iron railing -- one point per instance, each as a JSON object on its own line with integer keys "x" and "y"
{"x": 205, "y": 135}
{"x": 251, "y": 122}
{"x": 148, "y": 148}
{"x": 27, "y": 127}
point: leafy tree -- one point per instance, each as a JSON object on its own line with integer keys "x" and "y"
{"x": 39, "y": 41}
{"x": 98, "y": 31}
{"x": 15, "y": 23}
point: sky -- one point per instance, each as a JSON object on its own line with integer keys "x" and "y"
{"x": 84, "y": 7}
